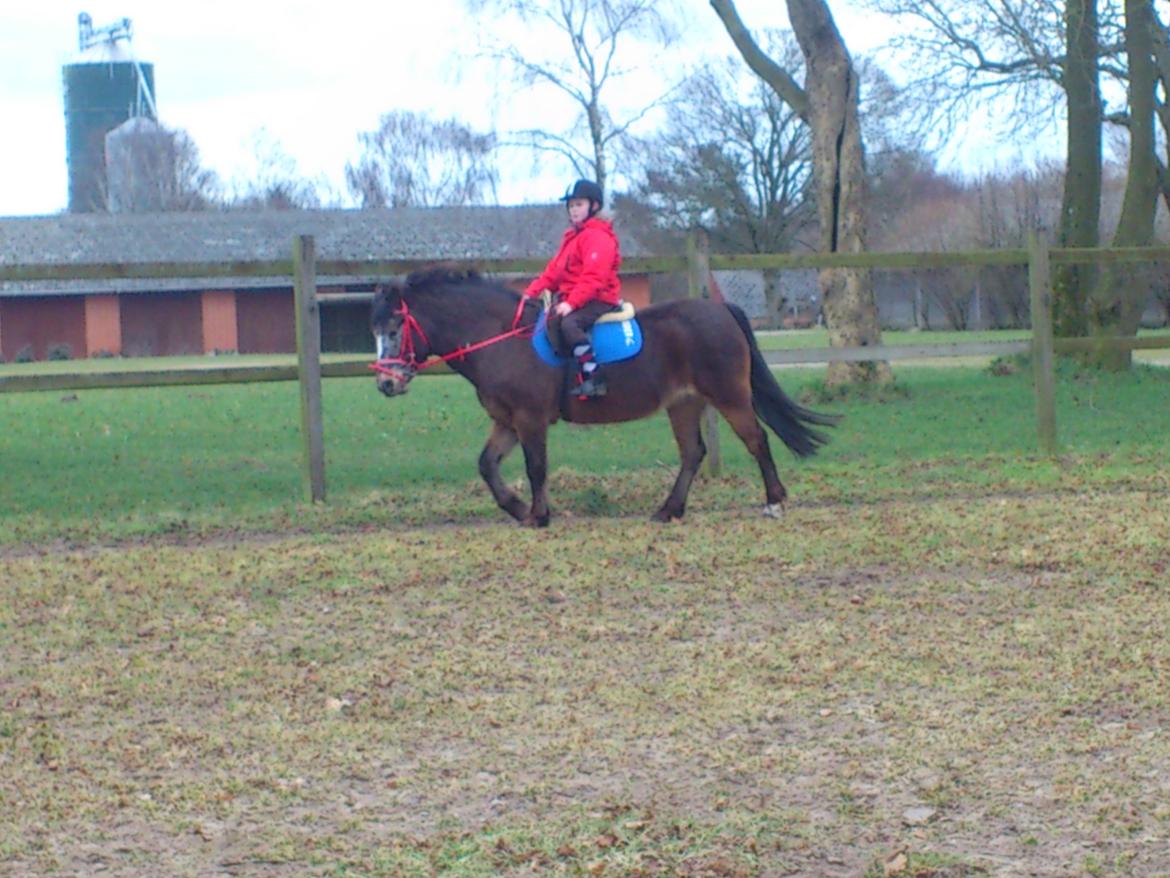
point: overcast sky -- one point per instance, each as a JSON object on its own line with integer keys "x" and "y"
{"x": 308, "y": 76}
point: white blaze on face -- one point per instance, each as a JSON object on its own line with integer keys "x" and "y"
{"x": 383, "y": 342}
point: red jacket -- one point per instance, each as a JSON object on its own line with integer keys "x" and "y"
{"x": 586, "y": 266}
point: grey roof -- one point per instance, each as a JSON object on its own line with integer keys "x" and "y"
{"x": 432, "y": 234}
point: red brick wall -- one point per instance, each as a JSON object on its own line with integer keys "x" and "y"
{"x": 220, "y": 329}
{"x": 636, "y": 289}
{"x": 103, "y": 325}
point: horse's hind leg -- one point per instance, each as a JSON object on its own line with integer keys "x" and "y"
{"x": 743, "y": 421}
{"x": 501, "y": 441}
{"x": 684, "y": 420}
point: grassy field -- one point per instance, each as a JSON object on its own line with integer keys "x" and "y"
{"x": 113, "y": 463}
{"x": 948, "y": 659}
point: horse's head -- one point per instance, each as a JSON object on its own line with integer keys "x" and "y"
{"x": 398, "y": 338}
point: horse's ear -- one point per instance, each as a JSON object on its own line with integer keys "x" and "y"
{"x": 382, "y": 304}
{"x": 384, "y": 290}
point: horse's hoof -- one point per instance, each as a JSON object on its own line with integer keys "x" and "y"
{"x": 666, "y": 516}
{"x": 535, "y": 521}
{"x": 517, "y": 509}
{"x": 774, "y": 510}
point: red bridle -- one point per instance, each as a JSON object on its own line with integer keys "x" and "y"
{"x": 407, "y": 359}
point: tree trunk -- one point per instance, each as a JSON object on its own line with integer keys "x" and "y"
{"x": 1161, "y": 36}
{"x": 773, "y": 299}
{"x": 1118, "y": 298}
{"x": 1080, "y": 212}
{"x": 839, "y": 174}
{"x": 829, "y": 104}
{"x": 921, "y": 314}
{"x": 597, "y": 140}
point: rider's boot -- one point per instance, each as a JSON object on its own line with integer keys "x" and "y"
{"x": 590, "y": 382}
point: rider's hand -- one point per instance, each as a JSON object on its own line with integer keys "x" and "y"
{"x": 562, "y": 309}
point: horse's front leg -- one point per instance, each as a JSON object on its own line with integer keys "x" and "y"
{"x": 501, "y": 441}
{"x": 535, "y": 444}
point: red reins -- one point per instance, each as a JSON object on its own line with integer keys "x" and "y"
{"x": 406, "y": 350}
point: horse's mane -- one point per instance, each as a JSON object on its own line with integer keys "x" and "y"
{"x": 435, "y": 276}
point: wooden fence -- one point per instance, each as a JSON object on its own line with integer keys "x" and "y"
{"x": 304, "y": 268}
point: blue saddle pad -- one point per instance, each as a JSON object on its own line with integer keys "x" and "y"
{"x": 612, "y": 341}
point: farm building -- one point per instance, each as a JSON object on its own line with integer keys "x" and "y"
{"x": 136, "y": 317}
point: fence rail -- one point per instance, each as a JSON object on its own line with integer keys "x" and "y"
{"x": 303, "y": 268}
{"x": 283, "y": 268}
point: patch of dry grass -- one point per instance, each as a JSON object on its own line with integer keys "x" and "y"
{"x": 918, "y": 687}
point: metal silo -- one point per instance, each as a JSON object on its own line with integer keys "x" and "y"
{"x": 104, "y": 86}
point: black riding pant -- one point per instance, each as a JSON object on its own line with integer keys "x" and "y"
{"x": 571, "y": 330}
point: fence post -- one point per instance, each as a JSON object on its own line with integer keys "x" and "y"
{"x": 308, "y": 327}
{"x": 1040, "y": 289}
{"x": 699, "y": 287}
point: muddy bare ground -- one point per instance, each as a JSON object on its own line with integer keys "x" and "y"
{"x": 946, "y": 689}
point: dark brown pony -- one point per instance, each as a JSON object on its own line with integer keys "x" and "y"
{"x": 695, "y": 352}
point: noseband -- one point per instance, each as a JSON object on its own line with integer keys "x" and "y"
{"x": 407, "y": 359}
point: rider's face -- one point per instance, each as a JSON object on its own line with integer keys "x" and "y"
{"x": 578, "y": 210}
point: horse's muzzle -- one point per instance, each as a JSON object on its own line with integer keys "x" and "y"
{"x": 394, "y": 381}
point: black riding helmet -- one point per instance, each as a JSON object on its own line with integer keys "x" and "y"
{"x": 584, "y": 189}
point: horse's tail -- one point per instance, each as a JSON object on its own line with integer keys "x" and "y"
{"x": 788, "y": 419}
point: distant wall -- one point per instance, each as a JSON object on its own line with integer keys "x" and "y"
{"x": 36, "y": 324}
{"x": 103, "y": 326}
{"x": 636, "y": 289}
{"x": 220, "y": 329}
{"x": 266, "y": 323}
{"x": 162, "y": 325}
{"x": 187, "y": 322}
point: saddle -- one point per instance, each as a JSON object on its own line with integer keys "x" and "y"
{"x": 615, "y": 336}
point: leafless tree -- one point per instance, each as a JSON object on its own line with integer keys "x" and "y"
{"x": 277, "y": 184}
{"x": 1117, "y": 301}
{"x": 971, "y": 54}
{"x": 828, "y": 101}
{"x": 153, "y": 168}
{"x": 412, "y": 160}
{"x": 1010, "y": 206}
{"x": 922, "y": 209}
{"x": 1052, "y": 57}
{"x": 1161, "y": 39}
{"x": 735, "y": 159}
{"x": 586, "y": 60}
{"x": 902, "y": 182}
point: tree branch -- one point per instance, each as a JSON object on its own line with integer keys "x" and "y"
{"x": 763, "y": 66}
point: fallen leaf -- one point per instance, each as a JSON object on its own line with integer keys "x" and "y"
{"x": 896, "y": 863}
